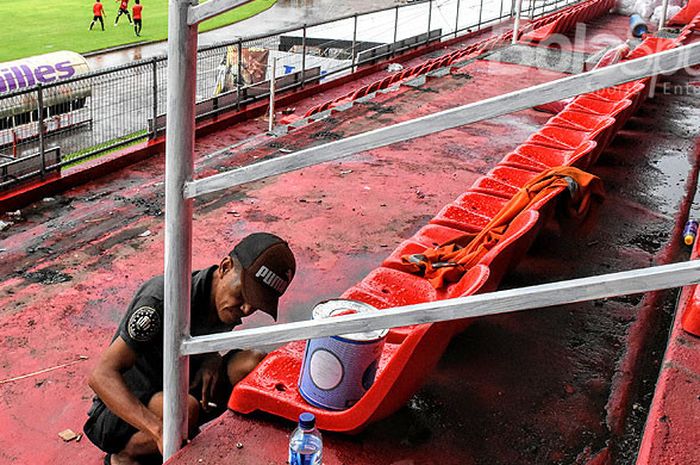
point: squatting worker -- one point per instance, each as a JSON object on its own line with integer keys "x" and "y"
{"x": 125, "y": 419}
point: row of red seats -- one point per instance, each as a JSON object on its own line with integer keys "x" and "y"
{"x": 576, "y": 136}
{"x": 688, "y": 30}
{"x": 567, "y": 19}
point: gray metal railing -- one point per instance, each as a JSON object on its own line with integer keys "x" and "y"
{"x": 113, "y": 108}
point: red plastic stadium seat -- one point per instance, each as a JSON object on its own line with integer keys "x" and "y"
{"x": 468, "y": 211}
{"x": 551, "y": 157}
{"x": 599, "y": 107}
{"x": 560, "y": 138}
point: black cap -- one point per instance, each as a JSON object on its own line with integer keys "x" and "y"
{"x": 268, "y": 268}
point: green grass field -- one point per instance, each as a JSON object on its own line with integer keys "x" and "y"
{"x": 33, "y": 27}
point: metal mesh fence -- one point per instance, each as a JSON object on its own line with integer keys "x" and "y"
{"x": 84, "y": 117}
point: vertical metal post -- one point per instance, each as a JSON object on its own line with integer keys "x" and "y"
{"x": 353, "y": 50}
{"x": 481, "y": 9}
{"x": 457, "y": 18}
{"x": 396, "y": 24}
{"x": 516, "y": 24}
{"x": 239, "y": 72}
{"x": 500, "y": 11}
{"x": 303, "y": 56}
{"x": 430, "y": 14}
{"x": 664, "y": 10}
{"x": 154, "y": 65}
{"x": 179, "y": 166}
{"x": 273, "y": 76}
{"x": 512, "y": 7}
{"x": 40, "y": 125}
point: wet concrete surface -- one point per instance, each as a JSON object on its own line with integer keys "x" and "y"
{"x": 538, "y": 387}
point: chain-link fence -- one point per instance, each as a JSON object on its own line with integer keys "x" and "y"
{"x": 85, "y": 116}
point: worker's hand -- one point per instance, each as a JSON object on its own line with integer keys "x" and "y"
{"x": 208, "y": 377}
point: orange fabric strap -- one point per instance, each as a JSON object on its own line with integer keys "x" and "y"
{"x": 448, "y": 262}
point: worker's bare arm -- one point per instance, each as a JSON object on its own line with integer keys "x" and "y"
{"x": 107, "y": 381}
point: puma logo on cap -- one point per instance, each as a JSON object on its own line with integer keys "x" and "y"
{"x": 270, "y": 278}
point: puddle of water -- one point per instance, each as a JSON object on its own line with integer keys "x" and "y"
{"x": 675, "y": 169}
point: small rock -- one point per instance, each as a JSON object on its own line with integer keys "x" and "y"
{"x": 48, "y": 199}
{"x": 146, "y": 233}
{"x": 344, "y": 172}
{"x": 239, "y": 445}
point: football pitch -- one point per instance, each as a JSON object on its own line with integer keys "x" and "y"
{"x": 33, "y": 27}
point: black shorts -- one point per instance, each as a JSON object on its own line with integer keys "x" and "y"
{"x": 137, "y": 22}
{"x": 97, "y": 18}
{"x": 123, "y": 11}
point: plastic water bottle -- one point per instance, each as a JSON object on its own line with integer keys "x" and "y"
{"x": 690, "y": 232}
{"x": 638, "y": 27}
{"x": 305, "y": 445}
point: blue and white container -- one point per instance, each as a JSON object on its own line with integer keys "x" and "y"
{"x": 338, "y": 370}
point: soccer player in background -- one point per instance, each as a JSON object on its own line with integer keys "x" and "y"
{"x": 97, "y": 12}
{"x": 136, "y": 12}
{"x": 123, "y": 10}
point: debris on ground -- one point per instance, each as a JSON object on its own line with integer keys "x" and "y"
{"x": 146, "y": 233}
{"x": 394, "y": 67}
{"x": 68, "y": 435}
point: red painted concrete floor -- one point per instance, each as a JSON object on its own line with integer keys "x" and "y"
{"x": 559, "y": 385}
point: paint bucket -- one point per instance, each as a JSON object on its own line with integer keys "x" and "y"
{"x": 338, "y": 370}
{"x": 638, "y": 27}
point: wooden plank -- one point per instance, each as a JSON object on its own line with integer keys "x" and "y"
{"x": 512, "y": 300}
{"x": 664, "y": 62}
{"x": 198, "y": 13}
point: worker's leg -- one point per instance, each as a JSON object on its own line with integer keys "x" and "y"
{"x": 141, "y": 444}
{"x": 240, "y": 363}
{"x": 102, "y": 23}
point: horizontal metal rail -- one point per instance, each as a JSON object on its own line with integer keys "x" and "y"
{"x": 660, "y": 63}
{"x": 211, "y": 8}
{"x": 492, "y": 303}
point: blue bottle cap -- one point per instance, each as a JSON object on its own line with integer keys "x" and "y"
{"x": 307, "y": 420}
